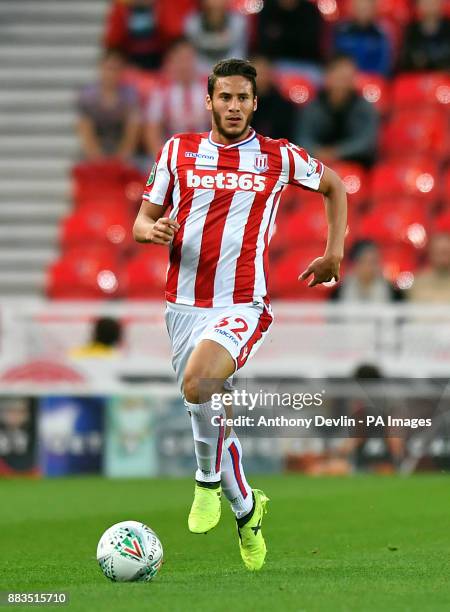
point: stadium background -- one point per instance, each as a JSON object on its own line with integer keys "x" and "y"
{"x": 67, "y": 260}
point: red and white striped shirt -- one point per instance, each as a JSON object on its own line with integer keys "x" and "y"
{"x": 225, "y": 198}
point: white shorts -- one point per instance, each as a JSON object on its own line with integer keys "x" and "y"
{"x": 241, "y": 329}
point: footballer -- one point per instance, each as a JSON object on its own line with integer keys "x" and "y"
{"x": 212, "y": 198}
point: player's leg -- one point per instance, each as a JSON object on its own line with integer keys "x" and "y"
{"x": 185, "y": 327}
{"x": 248, "y": 505}
{"x": 234, "y": 482}
{"x": 208, "y": 366}
{"x": 241, "y": 332}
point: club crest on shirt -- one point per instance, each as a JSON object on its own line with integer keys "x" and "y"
{"x": 261, "y": 162}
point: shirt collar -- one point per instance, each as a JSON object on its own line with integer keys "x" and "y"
{"x": 250, "y": 137}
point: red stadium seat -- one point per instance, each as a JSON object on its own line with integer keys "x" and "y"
{"x": 417, "y": 178}
{"x": 423, "y": 131}
{"x": 356, "y": 182}
{"x": 106, "y": 181}
{"x": 294, "y": 87}
{"x": 283, "y": 276}
{"x": 292, "y": 201}
{"x": 421, "y": 90}
{"x": 396, "y": 221}
{"x": 446, "y": 188}
{"x": 102, "y": 226}
{"x": 375, "y": 89}
{"x": 442, "y": 223}
{"x": 307, "y": 225}
{"x": 145, "y": 274}
{"x": 84, "y": 274}
{"x": 293, "y": 197}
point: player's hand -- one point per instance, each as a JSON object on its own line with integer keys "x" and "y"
{"x": 163, "y": 231}
{"x": 324, "y": 269}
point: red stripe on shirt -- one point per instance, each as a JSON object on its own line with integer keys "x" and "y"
{"x": 291, "y": 165}
{"x": 168, "y": 196}
{"x": 213, "y": 232}
{"x": 186, "y": 197}
{"x": 266, "y": 239}
{"x": 244, "y": 283}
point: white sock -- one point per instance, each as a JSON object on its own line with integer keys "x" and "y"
{"x": 208, "y": 440}
{"x": 234, "y": 484}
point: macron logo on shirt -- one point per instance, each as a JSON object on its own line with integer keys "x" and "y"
{"x": 226, "y": 180}
{"x": 198, "y": 155}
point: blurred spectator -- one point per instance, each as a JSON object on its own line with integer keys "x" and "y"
{"x": 132, "y": 28}
{"x": 217, "y": 32}
{"x": 17, "y": 434}
{"x": 365, "y": 282}
{"x": 105, "y": 340}
{"x": 426, "y": 45}
{"x": 390, "y": 452}
{"x": 275, "y": 115}
{"x": 109, "y": 114}
{"x": 172, "y": 21}
{"x": 178, "y": 103}
{"x": 290, "y": 32}
{"x": 363, "y": 38}
{"x": 433, "y": 284}
{"x": 339, "y": 124}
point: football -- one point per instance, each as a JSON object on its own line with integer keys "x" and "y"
{"x": 130, "y": 552}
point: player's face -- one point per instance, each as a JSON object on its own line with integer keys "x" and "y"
{"x": 232, "y": 106}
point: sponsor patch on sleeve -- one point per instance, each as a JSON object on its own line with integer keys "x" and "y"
{"x": 151, "y": 178}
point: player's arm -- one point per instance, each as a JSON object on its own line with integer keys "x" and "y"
{"x": 326, "y": 268}
{"x": 152, "y": 226}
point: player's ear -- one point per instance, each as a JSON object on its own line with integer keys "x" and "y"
{"x": 255, "y": 103}
{"x": 208, "y": 103}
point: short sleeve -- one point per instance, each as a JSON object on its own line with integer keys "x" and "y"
{"x": 159, "y": 187}
{"x": 304, "y": 170}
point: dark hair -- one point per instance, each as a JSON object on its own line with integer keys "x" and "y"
{"x": 359, "y": 247}
{"x": 232, "y": 67}
{"x": 107, "y": 331}
{"x": 367, "y": 371}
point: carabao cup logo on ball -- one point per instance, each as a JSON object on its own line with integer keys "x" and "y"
{"x": 130, "y": 552}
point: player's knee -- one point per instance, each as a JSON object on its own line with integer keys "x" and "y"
{"x": 199, "y": 386}
{"x": 191, "y": 388}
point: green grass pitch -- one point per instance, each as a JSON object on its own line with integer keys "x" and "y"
{"x": 360, "y": 544}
